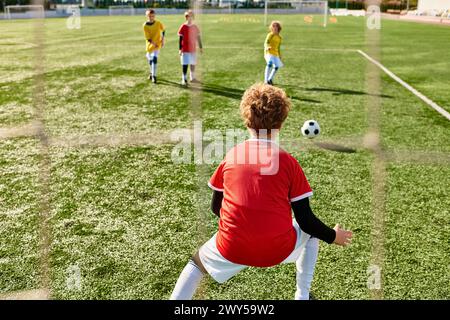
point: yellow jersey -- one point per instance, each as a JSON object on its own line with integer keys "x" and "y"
{"x": 153, "y": 33}
{"x": 272, "y": 44}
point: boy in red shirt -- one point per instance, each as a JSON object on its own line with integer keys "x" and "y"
{"x": 189, "y": 35}
{"x": 255, "y": 189}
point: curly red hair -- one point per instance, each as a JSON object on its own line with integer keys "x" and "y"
{"x": 264, "y": 107}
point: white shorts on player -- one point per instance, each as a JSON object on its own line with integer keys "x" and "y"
{"x": 304, "y": 256}
{"x": 188, "y": 58}
{"x": 151, "y": 55}
{"x": 221, "y": 269}
{"x": 273, "y": 61}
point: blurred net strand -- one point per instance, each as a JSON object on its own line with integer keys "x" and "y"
{"x": 113, "y": 140}
{"x": 372, "y": 138}
{"x": 33, "y": 294}
{"x": 38, "y": 100}
{"x": 201, "y": 169}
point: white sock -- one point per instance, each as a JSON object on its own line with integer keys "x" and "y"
{"x": 154, "y": 69}
{"x": 272, "y": 74}
{"x": 266, "y": 74}
{"x": 187, "y": 283}
{"x": 305, "y": 268}
{"x": 192, "y": 75}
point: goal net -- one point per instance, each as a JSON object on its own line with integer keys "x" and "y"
{"x": 121, "y": 10}
{"x": 24, "y": 11}
{"x": 311, "y": 12}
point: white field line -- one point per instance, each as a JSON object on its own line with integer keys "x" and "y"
{"x": 425, "y": 99}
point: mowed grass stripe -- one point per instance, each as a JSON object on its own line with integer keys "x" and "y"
{"x": 126, "y": 217}
{"x": 417, "y": 232}
{"x": 19, "y": 215}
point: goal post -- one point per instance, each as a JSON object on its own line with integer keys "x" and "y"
{"x": 121, "y": 10}
{"x": 296, "y": 7}
{"x": 226, "y": 5}
{"x": 25, "y": 11}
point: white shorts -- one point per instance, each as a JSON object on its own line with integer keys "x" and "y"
{"x": 274, "y": 60}
{"x": 188, "y": 58}
{"x": 221, "y": 269}
{"x": 151, "y": 55}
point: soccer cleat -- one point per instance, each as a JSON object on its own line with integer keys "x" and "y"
{"x": 195, "y": 81}
{"x": 150, "y": 77}
{"x": 270, "y": 82}
{"x": 154, "y": 79}
{"x": 184, "y": 82}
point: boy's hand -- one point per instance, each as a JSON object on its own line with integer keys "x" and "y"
{"x": 343, "y": 237}
{"x": 180, "y": 52}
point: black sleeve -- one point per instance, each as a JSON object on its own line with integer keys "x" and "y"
{"x": 199, "y": 39}
{"x": 181, "y": 42}
{"x": 309, "y": 223}
{"x": 216, "y": 202}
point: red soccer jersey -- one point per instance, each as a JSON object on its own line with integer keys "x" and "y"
{"x": 190, "y": 34}
{"x": 255, "y": 227}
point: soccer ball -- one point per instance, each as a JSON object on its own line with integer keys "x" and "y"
{"x": 310, "y": 129}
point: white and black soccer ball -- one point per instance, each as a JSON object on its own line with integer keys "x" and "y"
{"x": 310, "y": 129}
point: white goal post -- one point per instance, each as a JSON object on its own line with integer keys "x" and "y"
{"x": 299, "y": 6}
{"x": 227, "y": 5}
{"x": 346, "y": 13}
{"x": 121, "y": 10}
{"x": 37, "y": 11}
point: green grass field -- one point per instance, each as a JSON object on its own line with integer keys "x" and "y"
{"x": 129, "y": 218}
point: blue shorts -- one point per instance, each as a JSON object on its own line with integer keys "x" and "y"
{"x": 274, "y": 60}
{"x": 151, "y": 55}
{"x": 188, "y": 58}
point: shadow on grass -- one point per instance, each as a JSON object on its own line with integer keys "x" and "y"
{"x": 339, "y": 91}
{"x": 334, "y": 147}
{"x": 221, "y": 90}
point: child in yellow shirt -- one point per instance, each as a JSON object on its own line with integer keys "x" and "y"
{"x": 154, "y": 32}
{"x": 272, "y": 52}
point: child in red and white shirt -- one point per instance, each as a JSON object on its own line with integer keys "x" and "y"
{"x": 255, "y": 189}
{"x": 189, "y": 35}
